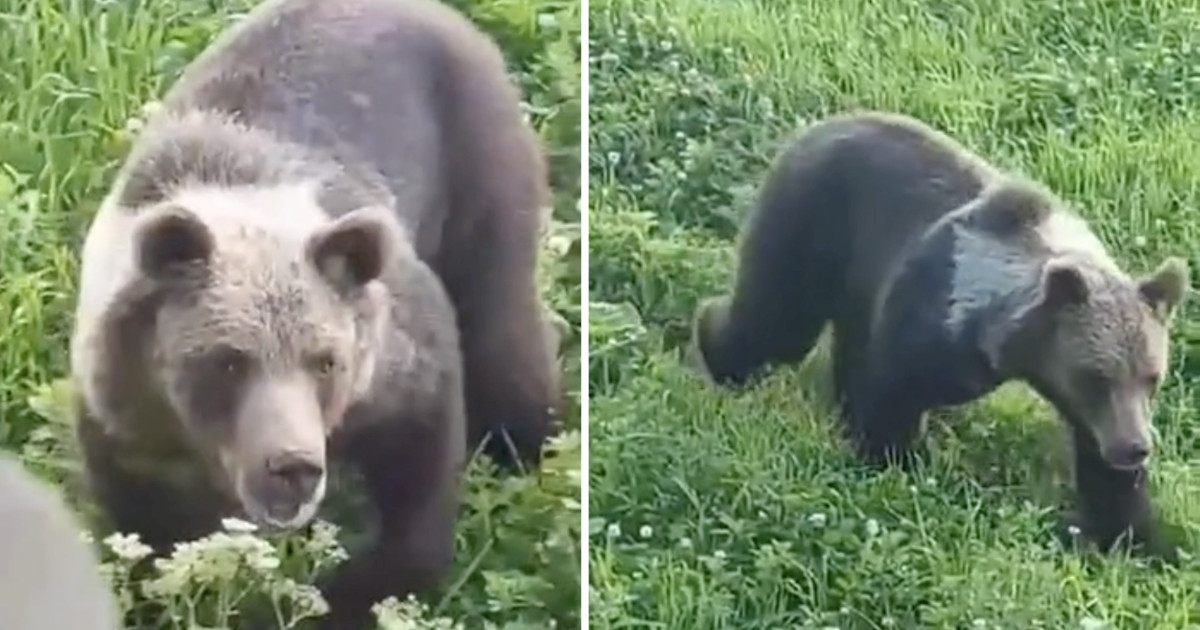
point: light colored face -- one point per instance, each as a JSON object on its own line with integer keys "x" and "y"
{"x": 1107, "y": 356}
{"x": 261, "y": 344}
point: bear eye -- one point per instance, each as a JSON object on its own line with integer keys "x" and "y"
{"x": 1093, "y": 381}
{"x": 229, "y": 361}
{"x": 323, "y": 363}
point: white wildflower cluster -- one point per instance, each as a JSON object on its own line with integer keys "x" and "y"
{"x": 410, "y": 614}
{"x": 305, "y": 599}
{"x": 227, "y": 566}
{"x": 214, "y": 559}
{"x": 322, "y": 545}
{"x": 127, "y": 547}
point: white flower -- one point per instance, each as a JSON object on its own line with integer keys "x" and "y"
{"x": 817, "y": 519}
{"x": 613, "y": 530}
{"x": 646, "y": 531}
{"x": 217, "y": 558}
{"x": 392, "y": 614}
{"x": 872, "y": 527}
{"x": 127, "y": 546}
{"x": 238, "y": 526}
{"x": 306, "y": 598}
{"x": 323, "y": 544}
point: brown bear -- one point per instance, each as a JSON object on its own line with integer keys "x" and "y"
{"x": 323, "y": 248}
{"x": 943, "y": 279}
{"x": 49, "y": 578}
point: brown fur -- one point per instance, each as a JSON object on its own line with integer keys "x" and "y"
{"x": 309, "y": 243}
{"x": 943, "y": 279}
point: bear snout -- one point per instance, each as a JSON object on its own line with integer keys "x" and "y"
{"x": 1128, "y": 455}
{"x": 296, "y": 473}
{"x": 288, "y": 489}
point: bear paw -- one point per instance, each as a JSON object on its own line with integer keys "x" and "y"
{"x": 1160, "y": 544}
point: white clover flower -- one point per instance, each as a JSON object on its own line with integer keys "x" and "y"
{"x": 872, "y": 527}
{"x": 646, "y": 531}
{"x": 613, "y": 530}
{"x": 1073, "y": 530}
{"x": 685, "y": 542}
{"x": 817, "y": 519}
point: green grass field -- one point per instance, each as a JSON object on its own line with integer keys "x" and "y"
{"x": 713, "y": 509}
{"x": 74, "y": 79}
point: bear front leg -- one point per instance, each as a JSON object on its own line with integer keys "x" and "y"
{"x": 412, "y": 477}
{"x": 510, "y": 371}
{"x": 884, "y": 419}
{"x": 136, "y": 497}
{"x": 1114, "y": 505}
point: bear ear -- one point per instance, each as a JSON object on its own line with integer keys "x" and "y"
{"x": 1063, "y": 285}
{"x": 352, "y": 250}
{"x": 170, "y": 238}
{"x": 1164, "y": 289}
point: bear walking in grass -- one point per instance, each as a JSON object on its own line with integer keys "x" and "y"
{"x": 323, "y": 247}
{"x": 943, "y": 279}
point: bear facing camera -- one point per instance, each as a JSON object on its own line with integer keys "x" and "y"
{"x": 944, "y": 278}
{"x": 322, "y": 249}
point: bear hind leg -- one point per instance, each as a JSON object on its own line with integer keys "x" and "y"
{"x": 767, "y": 321}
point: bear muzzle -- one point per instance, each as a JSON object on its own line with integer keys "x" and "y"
{"x": 286, "y": 491}
{"x": 1129, "y": 455}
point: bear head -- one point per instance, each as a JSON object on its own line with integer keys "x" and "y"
{"x": 265, "y": 333}
{"x": 1094, "y": 344}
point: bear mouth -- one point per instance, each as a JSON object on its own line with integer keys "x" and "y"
{"x": 281, "y": 515}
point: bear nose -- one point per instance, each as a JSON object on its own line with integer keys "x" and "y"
{"x": 1132, "y": 456}
{"x": 298, "y": 471}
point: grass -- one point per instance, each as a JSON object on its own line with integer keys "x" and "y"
{"x": 70, "y": 91}
{"x": 714, "y": 509}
